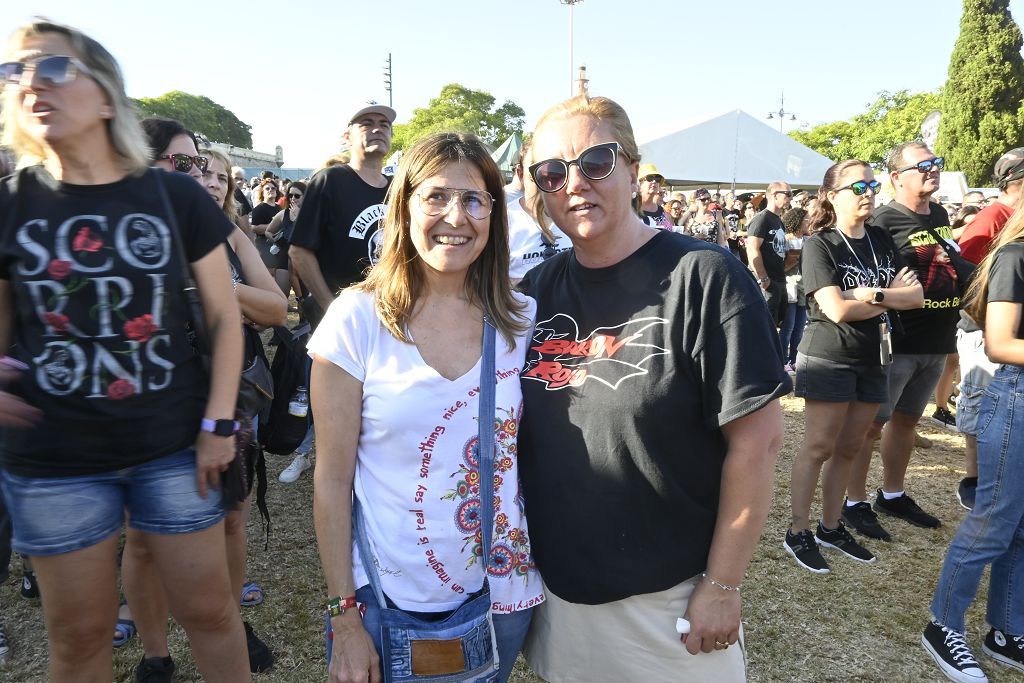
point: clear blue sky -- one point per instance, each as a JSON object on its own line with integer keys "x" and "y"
{"x": 295, "y": 70}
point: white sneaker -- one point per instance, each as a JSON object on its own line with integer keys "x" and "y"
{"x": 300, "y": 464}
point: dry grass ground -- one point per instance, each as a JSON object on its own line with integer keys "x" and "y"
{"x": 859, "y": 623}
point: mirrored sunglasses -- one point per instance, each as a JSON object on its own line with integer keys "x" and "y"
{"x": 183, "y": 163}
{"x": 595, "y": 163}
{"x": 926, "y": 166}
{"x": 862, "y": 186}
{"x": 51, "y": 71}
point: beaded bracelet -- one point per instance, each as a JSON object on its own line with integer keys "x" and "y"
{"x": 719, "y": 584}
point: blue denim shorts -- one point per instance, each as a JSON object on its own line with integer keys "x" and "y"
{"x": 54, "y": 515}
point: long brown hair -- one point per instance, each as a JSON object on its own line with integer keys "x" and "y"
{"x": 976, "y": 299}
{"x": 824, "y": 214}
{"x": 398, "y": 278}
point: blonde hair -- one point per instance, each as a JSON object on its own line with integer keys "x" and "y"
{"x": 600, "y": 108}
{"x": 125, "y": 133}
{"x": 230, "y": 206}
{"x": 976, "y": 299}
{"x": 398, "y": 277}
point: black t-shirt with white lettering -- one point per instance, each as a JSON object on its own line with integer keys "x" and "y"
{"x": 1006, "y": 278}
{"x": 826, "y": 261}
{"x": 771, "y": 229}
{"x": 340, "y": 222}
{"x": 632, "y": 372}
{"x": 932, "y": 329}
{"x": 99, "y": 318}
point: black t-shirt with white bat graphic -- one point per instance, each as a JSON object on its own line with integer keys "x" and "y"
{"x": 632, "y": 372}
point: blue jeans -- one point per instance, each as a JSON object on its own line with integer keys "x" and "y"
{"x": 993, "y": 532}
{"x": 509, "y": 631}
{"x": 792, "y": 331}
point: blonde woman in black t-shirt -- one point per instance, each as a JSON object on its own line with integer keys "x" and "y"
{"x": 125, "y": 419}
{"x": 853, "y": 276}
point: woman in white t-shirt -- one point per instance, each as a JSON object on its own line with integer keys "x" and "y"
{"x": 529, "y": 243}
{"x": 395, "y": 392}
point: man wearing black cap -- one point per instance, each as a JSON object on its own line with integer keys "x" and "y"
{"x": 976, "y": 369}
{"x": 335, "y": 236}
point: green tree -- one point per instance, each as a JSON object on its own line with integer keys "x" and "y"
{"x": 891, "y": 119}
{"x": 465, "y": 110}
{"x": 199, "y": 114}
{"x": 982, "y": 115}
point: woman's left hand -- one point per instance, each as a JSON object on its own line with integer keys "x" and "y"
{"x": 213, "y": 455}
{"x": 714, "y": 616}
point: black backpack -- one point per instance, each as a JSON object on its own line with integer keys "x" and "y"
{"x": 281, "y": 432}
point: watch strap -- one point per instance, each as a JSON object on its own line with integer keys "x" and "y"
{"x": 209, "y": 425}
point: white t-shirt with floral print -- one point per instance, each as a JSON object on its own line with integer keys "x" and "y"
{"x": 416, "y": 473}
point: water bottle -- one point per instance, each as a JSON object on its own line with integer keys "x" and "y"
{"x": 274, "y": 249}
{"x": 299, "y": 405}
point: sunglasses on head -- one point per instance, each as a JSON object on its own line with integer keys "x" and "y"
{"x": 51, "y": 71}
{"x": 435, "y": 201}
{"x": 183, "y": 162}
{"x": 595, "y": 163}
{"x": 862, "y": 186}
{"x": 926, "y": 166}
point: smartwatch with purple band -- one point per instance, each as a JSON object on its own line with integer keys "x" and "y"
{"x": 219, "y": 427}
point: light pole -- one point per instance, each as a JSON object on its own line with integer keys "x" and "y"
{"x": 572, "y": 76}
{"x": 782, "y": 113}
{"x": 387, "y": 80}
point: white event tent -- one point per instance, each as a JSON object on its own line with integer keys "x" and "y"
{"x": 733, "y": 149}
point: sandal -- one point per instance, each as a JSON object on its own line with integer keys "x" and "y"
{"x": 124, "y": 631}
{"x": 252, "y": 589}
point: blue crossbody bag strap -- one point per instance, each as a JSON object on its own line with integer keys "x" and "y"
{"x": 488, "y": 381}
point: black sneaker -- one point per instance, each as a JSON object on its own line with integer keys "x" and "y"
{"x": 906, "y": 509}
{"x": 805, "y": 551}
{"x": 840, "y": 539}
{"x": 260, "y": 656}
{"x": 949, "y": 650}
{"x": 29, "y": 585}
{"x": 154, "y": 670}
{"x": 864, "y": 520}
{"x": 1008, "y": 650}
{"x": 943, "y": 418}
{"x": 967, "y": 491}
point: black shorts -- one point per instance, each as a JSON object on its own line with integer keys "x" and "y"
{"x": 820, "y": 379}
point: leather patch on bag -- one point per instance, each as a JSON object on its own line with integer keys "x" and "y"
{"x": 437, "y": 657}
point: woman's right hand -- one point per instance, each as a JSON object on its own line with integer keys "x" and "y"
{"x": 354, "y": 657}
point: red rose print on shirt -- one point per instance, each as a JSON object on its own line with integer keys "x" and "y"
{"x": 58, "y": 321}
{"x": 85, "y": 241}
{"x": 141, "y": 328}
{"x": 59, "y": 269}
{"x": 120, "y": 389}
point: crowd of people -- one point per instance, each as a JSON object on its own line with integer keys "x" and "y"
{"x": 588, "y": 488}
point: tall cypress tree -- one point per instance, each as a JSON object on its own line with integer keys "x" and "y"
{"x": 982, "y": 114}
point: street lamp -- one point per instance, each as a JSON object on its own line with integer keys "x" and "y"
{"x": 782, "y": 113}
{"x": 572, "y": 76}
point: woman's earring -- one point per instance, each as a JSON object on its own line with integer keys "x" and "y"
{"x": 634, "y": 194}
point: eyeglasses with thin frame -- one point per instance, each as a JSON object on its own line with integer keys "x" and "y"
{"x": 435, "y": 201}
{"x": 183, "y": 163}
{"x": 595, "y": 163}
{"x": 861, "y": 186}
{"x": 926, "y": 166}
{"x": 51, "y": 70}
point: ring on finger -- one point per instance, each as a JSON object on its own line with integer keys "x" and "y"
{"x": 719, "y": 645}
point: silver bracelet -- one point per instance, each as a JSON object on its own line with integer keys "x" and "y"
{"x": 718, "y": 584}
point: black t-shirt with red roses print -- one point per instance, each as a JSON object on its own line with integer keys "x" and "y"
{"x": 99, "y": 318}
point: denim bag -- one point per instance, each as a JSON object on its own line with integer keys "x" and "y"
{"x": 461, "y": 647}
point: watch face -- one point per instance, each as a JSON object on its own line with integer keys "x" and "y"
{"x": 224, "y": 427}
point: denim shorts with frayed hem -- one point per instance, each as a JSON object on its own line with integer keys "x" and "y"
{"x": 54, "y": 515}
{"x": 820, "y": 379}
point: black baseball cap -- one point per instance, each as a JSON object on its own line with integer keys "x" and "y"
{"x": 1010, "y": 167}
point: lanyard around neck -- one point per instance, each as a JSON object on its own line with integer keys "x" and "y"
{"x": 877, "y": 280}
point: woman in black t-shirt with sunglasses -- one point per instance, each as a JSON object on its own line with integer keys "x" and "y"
{"x": 853, "y": 276}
